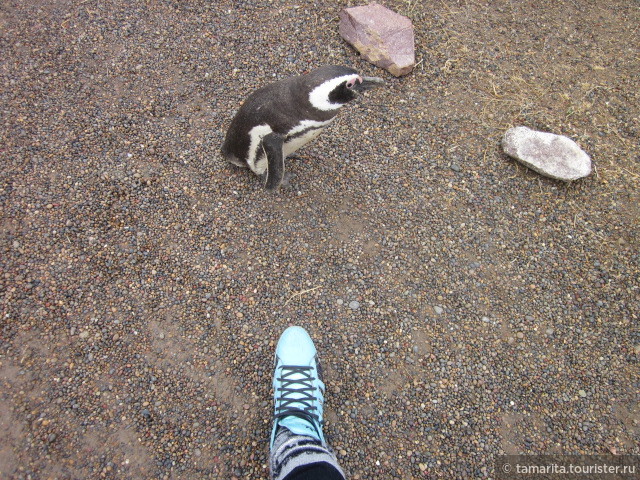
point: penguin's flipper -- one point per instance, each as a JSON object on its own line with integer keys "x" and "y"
{"x": 272, "y": 145}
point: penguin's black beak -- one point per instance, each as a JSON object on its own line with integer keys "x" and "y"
{"x": 367, "y": 83}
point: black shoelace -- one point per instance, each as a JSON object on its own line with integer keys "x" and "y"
{"x": 305, "y": 393}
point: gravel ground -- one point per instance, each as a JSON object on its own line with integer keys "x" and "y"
{"x": 463, "y": 306}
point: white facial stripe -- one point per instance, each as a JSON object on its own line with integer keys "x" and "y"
{"x": 319, "y": 96}
{"x": 257, "y": 164}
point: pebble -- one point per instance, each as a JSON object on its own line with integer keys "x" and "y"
{"x": 354, "y": 305}
{"x": 439, "y": 310}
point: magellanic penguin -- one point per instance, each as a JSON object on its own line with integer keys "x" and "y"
{"x": 278, "y": 119}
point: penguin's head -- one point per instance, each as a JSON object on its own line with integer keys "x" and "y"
{"x": 333, "y": 86}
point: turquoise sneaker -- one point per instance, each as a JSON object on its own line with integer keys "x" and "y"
{"x": 297, "y": 385}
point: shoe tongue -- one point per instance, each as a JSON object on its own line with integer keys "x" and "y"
{"x": 299, "y": 426}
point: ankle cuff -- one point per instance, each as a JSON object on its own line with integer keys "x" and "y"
{"x": 290, "y": 451}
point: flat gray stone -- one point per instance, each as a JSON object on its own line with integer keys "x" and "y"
{"x": 382, "y": 36}
{"x": 554, "y": 156}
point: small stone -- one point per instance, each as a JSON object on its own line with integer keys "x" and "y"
{"x": 84, "y": 334}
{"x": 382, "y": 36}
{"x": 520, "y": 335}
{"x": 582, "y": 393}
{"x": 552, "y": 155}
{"x": 549, "y": 331}
{"x": 354, "y": 305}
{"x": 636, "y": 349}
{"x": 438, "y": 310}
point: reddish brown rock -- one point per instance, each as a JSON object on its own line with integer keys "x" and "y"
{"x": 382, "y": 36}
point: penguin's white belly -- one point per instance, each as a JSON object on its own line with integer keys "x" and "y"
{"x": 303, "y": 133}
{"x": 298, "y": 142}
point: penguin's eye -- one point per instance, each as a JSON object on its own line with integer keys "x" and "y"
{"x": 351, "y": 83}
